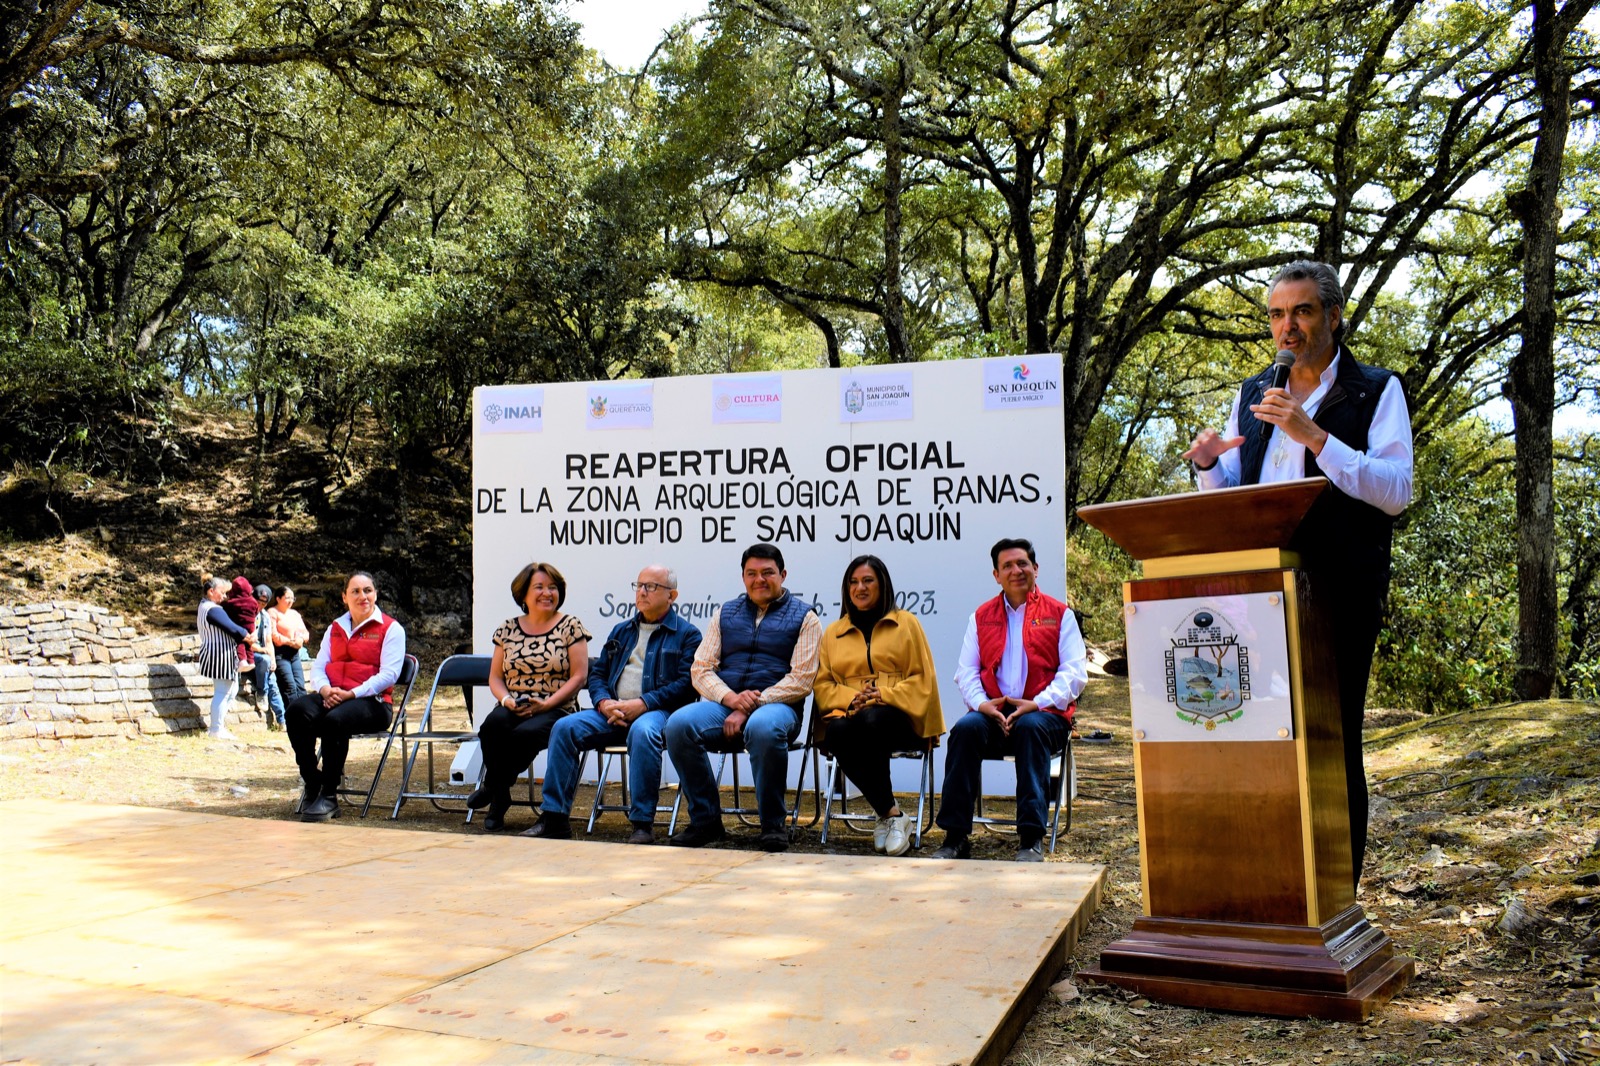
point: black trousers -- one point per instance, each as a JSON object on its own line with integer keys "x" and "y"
{"x": 863, "y": 742}
{"x": 1035, "y": 737}
{"x": 308, "y": 721}
{"x": 1355, "y": 611}
{"x": 510, "y": 744}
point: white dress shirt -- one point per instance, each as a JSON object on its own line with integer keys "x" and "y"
{"x": 1380, "y": 476}
{"x": 392, "y": 658}
{"x": 1071, "y": 676}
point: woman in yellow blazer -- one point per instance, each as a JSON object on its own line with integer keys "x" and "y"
{"x": 876, "y": 693}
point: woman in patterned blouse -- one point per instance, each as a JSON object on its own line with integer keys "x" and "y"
{"x": 541, "y": 660}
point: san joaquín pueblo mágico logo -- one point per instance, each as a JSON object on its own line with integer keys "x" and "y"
{"x": 1208, "y": 670}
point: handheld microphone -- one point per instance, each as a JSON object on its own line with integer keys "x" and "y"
{"x": 1280, "y": 377}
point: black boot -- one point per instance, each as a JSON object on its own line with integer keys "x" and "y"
{"x": 308, "y": 793}
{"x": 495, "y": 819}
{"x": 551, "y": 826}
{"x": 319, "y": 803}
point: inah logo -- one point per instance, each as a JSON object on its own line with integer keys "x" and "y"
{"x": 1020, "y": 372}
{"x": 491, "y": 413}
{"x": 597, "y": 407}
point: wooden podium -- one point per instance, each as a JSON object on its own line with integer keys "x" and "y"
{"x": 1244, "y": 827}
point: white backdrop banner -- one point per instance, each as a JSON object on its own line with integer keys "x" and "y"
{"x": 928, "y": 491}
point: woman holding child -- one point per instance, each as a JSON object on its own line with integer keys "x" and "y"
{"x": 223, "y": 642}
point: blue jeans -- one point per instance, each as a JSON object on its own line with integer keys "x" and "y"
{"x": 586, "y": 730}
{"x": 1035, "y": 738}
{"x": 290, "y": 675}
{"x": 267, "y": 685}
{"x": 766, "y": 737}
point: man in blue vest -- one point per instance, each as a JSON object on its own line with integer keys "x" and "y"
{"x": 1349, "y": 423}
{"x": 754, "y": 670}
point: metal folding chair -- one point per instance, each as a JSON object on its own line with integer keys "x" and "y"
{"x": 730, "y": 748}
{"x": 837, "y": 786}
{"x": 465, "y": 672}
{"x": 1063, "y": 774}
{"x": 397, "y": 724}
{"x": 603, "y": 758}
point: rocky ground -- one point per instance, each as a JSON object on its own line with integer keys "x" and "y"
{"x": 1483, "y": 868}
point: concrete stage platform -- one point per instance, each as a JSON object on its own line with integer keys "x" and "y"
{"x": 136, "y": 935}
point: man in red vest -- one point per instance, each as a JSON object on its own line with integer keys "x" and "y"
{"x": 1021, "y": 670}
{"x": 359, "y": 662}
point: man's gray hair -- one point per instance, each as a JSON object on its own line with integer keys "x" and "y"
{"x": 1329, "y": 291}
{"x": 672, "y": 575}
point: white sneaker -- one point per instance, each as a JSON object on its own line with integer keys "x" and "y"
{"x": 880, "y": 834}
{"x": 897, "y": 841}
{"x": 220, "y": 734}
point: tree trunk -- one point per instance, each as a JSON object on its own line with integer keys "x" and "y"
{"x": 1531, "y": 386}
{"x": 894, "y": 309}
{"x": 824, "y": 324}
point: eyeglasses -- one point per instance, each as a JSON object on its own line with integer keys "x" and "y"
{"x": 649, "y": 588}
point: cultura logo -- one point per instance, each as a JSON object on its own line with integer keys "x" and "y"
{"x": 491, "y": 413}
{"x": 1020, "y": 372}
{"x": 597, "y": 407}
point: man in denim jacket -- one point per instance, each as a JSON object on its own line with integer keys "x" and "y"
{"x": 641, "y": 677}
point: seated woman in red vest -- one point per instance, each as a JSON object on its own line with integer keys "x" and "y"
{"x": 360, "y": 660}
{"x": 876, "y": 692}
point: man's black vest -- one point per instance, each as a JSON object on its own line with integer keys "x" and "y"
{"x": 1340, "y": 532}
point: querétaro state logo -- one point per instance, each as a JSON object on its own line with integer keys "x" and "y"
{"x": 1020, "y": 372}
{"x": 492, "y": 413}
{"x": 1208, "y": 670}
{"x": 597, "y": 407}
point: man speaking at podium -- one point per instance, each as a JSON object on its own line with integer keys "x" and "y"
{"x": 1318, "y": 413}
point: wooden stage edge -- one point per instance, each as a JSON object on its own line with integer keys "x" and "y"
{"x": 145, "y": 935}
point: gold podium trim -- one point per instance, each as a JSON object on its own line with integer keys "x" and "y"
{"x": 1222, "y": 563}
{"x": 1302, "y": 743}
